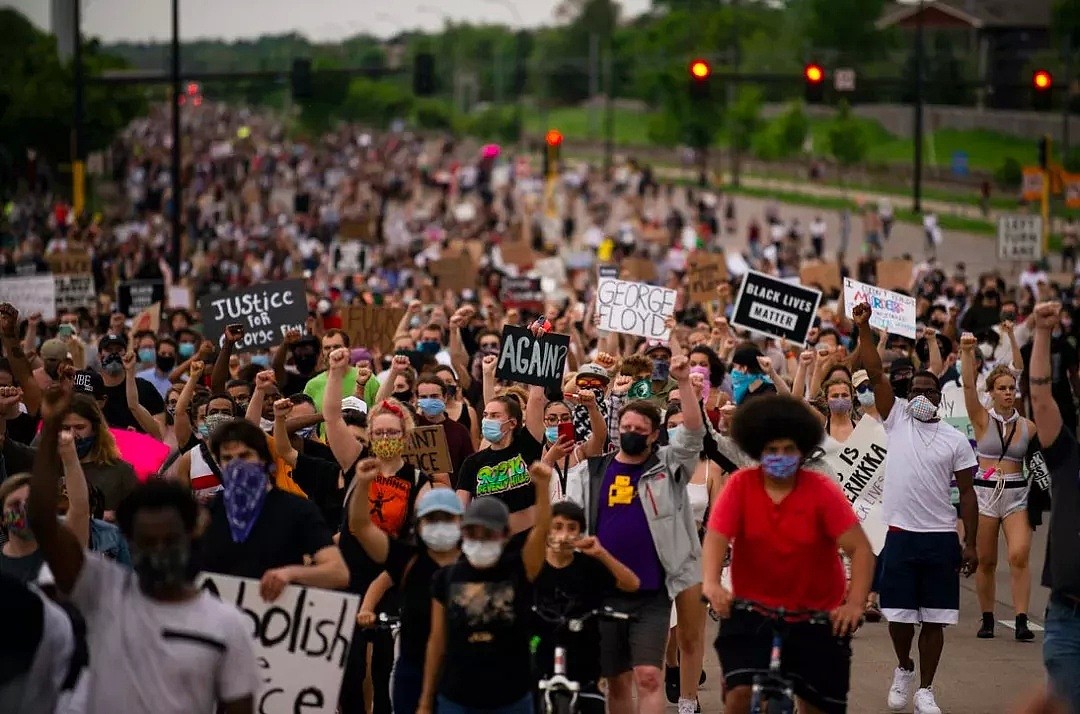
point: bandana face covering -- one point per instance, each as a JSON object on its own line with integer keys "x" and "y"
{"x": 244, "y": 494}
{"x": 641, "y": 389}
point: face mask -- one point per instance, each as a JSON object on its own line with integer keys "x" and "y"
{"x": 260, "y": 360}
{"x": 387, "y": 448}
{"x": 673, "y": 432}
{"x": 633, "y": 443}
{"x": 53, "y": 371}
{"x": 451, "y": 390}
{"x": 482, "y": 553}
{"x": 741, "y": 381}
{"x": 147, "y": 355}
{"x": 244, "y": 495}
{"x": 641, "y": 389}
{"x": 17, "y": 522}
{"x": 162, "y": 568}
{"x": 922, "y": 409}
{"x": 440, "y": 537}
{"x": 551, "y": 433}
{"x": 213, "y": 421}
{"x": 113, "y": 364}
{"x": 404, "y": 396}
{"x": 84, "y": 444}
{"x": 431, "y": 406}
{"x": 1008, "y": 316}
{"x": 986, "y": 349}
{"x": 866, "y": 399}
{"x": 429, "y": 347}
{"x": 840, "y": 406}
{"x": 492, "y": 429}
{"x": 306, "y": 433}
{"x": 305, "y": 364}
{"x": 186, "y": 349}
{"x": 166, "y": 363}
{"x": 780, "y": 466}
{"x": 660, "y": 371}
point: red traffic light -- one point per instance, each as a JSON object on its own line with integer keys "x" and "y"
{"x": 814, "y": 73}
{"x": 553, "y": 137}
{"x": 1042, "y": 80}
{"x": 699, "y": 69}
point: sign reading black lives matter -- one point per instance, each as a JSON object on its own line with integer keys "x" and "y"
{"x": 532, "y": 360}
{"x": 267, "y": 311}
{"x": 774, "y": 307}
{"x": 134, "y": 296}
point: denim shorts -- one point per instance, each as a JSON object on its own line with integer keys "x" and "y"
{"x": 1061, "y": 648}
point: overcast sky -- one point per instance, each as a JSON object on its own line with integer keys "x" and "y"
{"x": 114, "y": 20}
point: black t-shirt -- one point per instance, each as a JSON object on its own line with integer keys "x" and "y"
{"x": 1061, "y": 569}
{"x": 295, "y": 383}
{"x": 320, "y": 479}
{"x": 412, "y": 570}
{"x": 488, "y": 627}
{"x": 503, "y": 473}
{"x": 116, "y": 411}
{"x": 580, "y": 587}
{"x": 1063, "y": 360}
{"x": 22, "y": 428}
{"x": 288, "y": 528}
{"x": 26, "y": 568}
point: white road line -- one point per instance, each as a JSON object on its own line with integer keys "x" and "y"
{"x": 1034, "y": 627}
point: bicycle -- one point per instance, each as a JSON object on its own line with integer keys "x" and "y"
{"x": 560, "y": 693}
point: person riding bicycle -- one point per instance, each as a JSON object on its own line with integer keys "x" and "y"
{"x": 785, "y": 524}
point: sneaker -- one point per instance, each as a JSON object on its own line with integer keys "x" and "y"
{"x": 903, "y": 683}
{"x": 924, "y": 702}
{"x": 687, "y": 706}
{"x": 986, "y": 630}
{"x": 671, "y": 683}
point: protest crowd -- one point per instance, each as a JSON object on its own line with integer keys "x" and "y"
{"x": 415, "y": 427}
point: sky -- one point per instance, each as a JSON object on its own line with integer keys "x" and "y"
{"x": 320, "y": 20}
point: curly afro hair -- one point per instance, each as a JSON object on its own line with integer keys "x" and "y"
{"x": 775, "y": 416}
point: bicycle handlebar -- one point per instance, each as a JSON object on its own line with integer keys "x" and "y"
{"x": 576, "y": 623}
{"x": 817, "y": 617}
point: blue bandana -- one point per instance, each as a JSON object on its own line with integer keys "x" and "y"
{"x": 244, "y": 494}
{"x": 741, "y": 381}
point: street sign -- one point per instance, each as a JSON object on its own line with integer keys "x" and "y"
{"x": 1020, "y": 237}
{"x": 844, "y": 80}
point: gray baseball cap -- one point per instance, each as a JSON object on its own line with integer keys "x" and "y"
{"x": 487, "y": 512}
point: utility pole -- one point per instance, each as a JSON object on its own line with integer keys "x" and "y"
{"x": 78, "y": 146}
{"x": 920, "y": 49}
{"x": 177, "y": 189}
{"x": 736, "y": 60}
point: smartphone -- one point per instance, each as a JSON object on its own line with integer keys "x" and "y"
{"x": 566, "y": 431}
{"x": 236, "y": 327}
{"x": 65, "y": 330}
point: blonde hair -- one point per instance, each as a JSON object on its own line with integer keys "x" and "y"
{"x": 1001, "y": 370}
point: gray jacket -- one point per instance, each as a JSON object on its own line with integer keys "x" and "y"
{"x": 662, "y": 490}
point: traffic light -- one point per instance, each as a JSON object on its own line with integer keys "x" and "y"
{"x": 301, "y": 78}
{"x": 424, "y": 75}
{"x": 814, "y": 79}
{"x": 553, "y": 144}
{"x": 1044, "y": 152}
{"x": 1042, "y": 83}
{"x": 700, "y": 79}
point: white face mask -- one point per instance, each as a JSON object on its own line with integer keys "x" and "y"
{"x": 987, "y": 350}
{"x": 482, "y": 553}
{"x": 866, "y": 399}
{"x": 440, "y": 537}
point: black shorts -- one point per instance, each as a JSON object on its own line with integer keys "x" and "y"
{"x": 920, "y": 577}
{"x": 817, "y": 662}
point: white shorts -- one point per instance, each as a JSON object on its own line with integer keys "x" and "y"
{"x": 999, "y": 498}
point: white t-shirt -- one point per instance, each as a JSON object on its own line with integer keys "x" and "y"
{"x": 155, "y": 657}
{"x": 923, "y": 456}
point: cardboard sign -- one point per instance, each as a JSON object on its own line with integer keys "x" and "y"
{"x": 825, "y": 276}
{"x": 775, "y": 307}
{"x": 30, "y": 294}
{"x": 634, "y": 308}
{"x": 1020, "y": 237}
{"x": 894, "y": 274}
{"x": 892, "y": 312}
{"x": 532, "y": 360}
{"x": 372, "y": 326}
{"x": 348, "y": 257}
{"x": 148, "y": 319}
{"x": 267, "y": 311}
{"x": 301, "y": 641}
{"x": 73, "y": 292}
{"x": 454, "y": 272}
{"x": 356, "y": 229}
{"x": 859, "y": 465}
{"x": 641, "y": 269}
{"x": 707, "y": 270}
{"x": 517, "y": 253}
{"x": 134, "y": 296}
{"x": 522, "y": 293}
{"x": 428, "y": 450}
{"x": 69, "y": 262}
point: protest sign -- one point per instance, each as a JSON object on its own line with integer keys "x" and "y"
{"x": 453, "y": 272}
{"x": 820, "y": 275}
{"x": 608, "y": 270}
{"x": 301, "y": 641}
{"x": 517, "y": 253}
{"x": 707, "y": 270}
{"x": 634, "y": 308}
{"x": 134, "y": 296}
{"x": 859, "y": 465}
{"x": 522, "y": 293}
{"x": 428, "y": 450}
{"x": 147, "y": 320}
{"x": 282, "y": 200}
{"x": 641, "y": 269}
{"x": 532, "y": 360}
{"x": 73, "y": 291}
{"x": 372, "y": 326}
{"x": 736, "y": 264}
{"x": 894, "y": 274}
{"x": 356, "y": 229}
{"x": 348, "y": 257}
{"x": 775, "y": 307}
{"x": 267, "y": 311}
{"x": 30, "y": 294}
{"x": 892, "y": 312}
{"x": 178, "y": 296}
{"x": 69, "y": 261}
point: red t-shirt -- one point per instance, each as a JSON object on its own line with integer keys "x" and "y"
{"x": 785, "y": 554}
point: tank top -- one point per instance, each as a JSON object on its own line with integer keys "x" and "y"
{"x": 698, "y": 493}
{"x": 203, "y": 473}
{"x": 464, "y": 419}
{"x": 1004, "y": 439}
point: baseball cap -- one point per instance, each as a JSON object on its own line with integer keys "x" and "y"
{"x": 354, "y": 403}
{"x": 111, "y": 340}
{"x": 592, "y": 369}
{"x": 53, "y": 349}
{"x": 439, "y": 500}
{"x": 89, "y": 382}
{"x": 654, "y": 345}
{"x": 859, "y": 378}
{"x": 487, "y": 512}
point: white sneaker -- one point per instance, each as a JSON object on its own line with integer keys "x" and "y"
{"x": 924, "y": 702}
{"x": 687, "y": 706}
{"x": 903, "y": 683}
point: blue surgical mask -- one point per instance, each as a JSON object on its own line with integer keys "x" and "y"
{"x": 866, "y": 399}
{"x": 492, "y": 429}
{"x": 261, "y": 360}
{"x": 84, "y": 444}
{"x": 431, "y": 406}
{"x": 147, "y": 355}
{"x": 186, "y": 349}
{"x": 673, "y": 432}
{"x": 780, "y": 466}
{"x": 551, "y": 433}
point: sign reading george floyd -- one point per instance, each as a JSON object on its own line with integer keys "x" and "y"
{"x": 775, "y": 307}
{"x": 634, "y": 308}
{"x": 267, "y": 311}
{"x": 532, "y": 360}
{"x": 301, "y": 641}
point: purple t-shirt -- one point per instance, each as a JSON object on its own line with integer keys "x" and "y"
{"x": 622, "y": 527}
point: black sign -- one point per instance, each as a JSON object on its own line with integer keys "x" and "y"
{"x": 774, "y": 307}
{"x": 608, "y": 271}
{"x": 134, "y": 296}
{"x": 523, "y": 293}
{"x": 267, "y": 311}
{"x": 531, "y": 360}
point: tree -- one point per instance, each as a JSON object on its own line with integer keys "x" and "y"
{"x": 792, "y": 128}
{"x": 847, "y": 138}
{"x": 745, "y": 117}
{"x": 847, "y": 26}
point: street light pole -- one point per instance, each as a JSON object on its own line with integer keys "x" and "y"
{"x": 177, "y": 189}
{"x": 920, "y": 57}
{"x": 78, "y": 147}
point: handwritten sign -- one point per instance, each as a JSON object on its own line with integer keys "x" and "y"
{"x": 634, "y": 308}
{"x": 372, "y": 326}
{"x": 134, "y": 296}
{"x": 523, "y": 293}
{"x": 775, "y": 307}
{"x": 707, "y": 270}
{"x": 859, "y": 465}
{"x": 73, "y": 291}
{"x": 892, "y": 312}
{"x": 30, "y": 294}
{"x": 453, "y": 272}
{"x": 348, "y": 257}
{"x": 532, "y": 360}
{"x": 301, "y": 641}
{"x": 1020, "y": 237}
{"x": 69, "y": 261}
{"x": 428, "y": 450}
{"x": 266, "y": 310}
{"x": 820, "y": 275}
{"x": 356, "y": 229}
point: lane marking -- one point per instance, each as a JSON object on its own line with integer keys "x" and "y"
{"x": 1033, "y": 626}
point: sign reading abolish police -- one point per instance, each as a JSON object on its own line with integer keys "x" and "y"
{"x": 634, "y": 308}
{"x": 859, "y": 465}
{"x": 775, "y": 307}
{"x": 267, "y": 311}
{"x": 301, "y": 641}
{"x": 532, "y": 360}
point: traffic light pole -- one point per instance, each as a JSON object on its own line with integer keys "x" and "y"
{"x": 920, "y": 49}
{"x": 78, "y": 146}
{"x": 177, "y": 189}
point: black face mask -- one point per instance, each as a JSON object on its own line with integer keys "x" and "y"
{"x": 633, "y": 443}
{"x": 403, "y": 397}
{"x": 161, "y": 569}
{"x": 305, "y": 364}
{"x": 451, "y": 390}
{"x": 166, "y": 362}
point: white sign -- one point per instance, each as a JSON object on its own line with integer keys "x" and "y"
{"x": 844, "y": 80}
{"x": 301, "y": 641}
{"x": 890, "y": 311}
{"x": 73, "y": 291}
{"x": 31, "y": 294}
{"x": 634, "y": 308}
{"x": 859, "y": 466}
{"x": 348, "y": 257}
{"x": 1020, "y": 237}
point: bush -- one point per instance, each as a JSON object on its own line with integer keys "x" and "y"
{"x": 433, "y": 114}
{"x": 378, "y": 103}
{"x": 1010, "y": 174}
{"x": 664, "y": 129}
{"x": 492, "y": 124}
{"x": 848, "y": 143}
{"x": 792, "y": 127}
